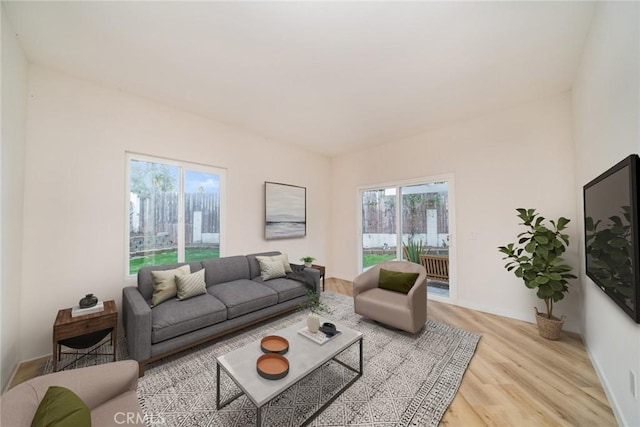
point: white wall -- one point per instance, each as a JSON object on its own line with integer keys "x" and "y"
{"x": 520, "y": 157}
{"x": 14, "y": 104}
{"x": 77, "y": 135}
{"x": 606, "y": 103}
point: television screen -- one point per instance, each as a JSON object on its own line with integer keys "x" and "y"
{"x": 611, "y": 234}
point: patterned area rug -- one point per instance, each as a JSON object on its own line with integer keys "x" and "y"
{"x": 408, "y": 380}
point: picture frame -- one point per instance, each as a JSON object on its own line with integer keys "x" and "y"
{"x": 285, "y": 211}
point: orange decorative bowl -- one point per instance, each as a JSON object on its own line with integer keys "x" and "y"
{"x": 274, "y": 344}
{"x": 272, "y": 366}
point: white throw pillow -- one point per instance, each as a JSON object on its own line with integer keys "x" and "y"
{"x": 283, "y": 258}
{"x": 271, "y": 267}
{"x": 164, "y": 283}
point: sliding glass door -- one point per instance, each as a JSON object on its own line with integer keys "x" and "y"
{"x": 410, "y": 222}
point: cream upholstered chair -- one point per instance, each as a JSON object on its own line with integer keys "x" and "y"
{"x": 109, "y": 390}
{"x": 407, "y": 312}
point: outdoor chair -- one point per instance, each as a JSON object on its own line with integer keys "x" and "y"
{"x": 437, "y": 266}
{"x": 402, "y": 311}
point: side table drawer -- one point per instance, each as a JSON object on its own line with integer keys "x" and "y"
{"x": 62, "y": 332}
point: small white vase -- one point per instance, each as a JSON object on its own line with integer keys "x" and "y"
{"x": 307, "y": 264}
{"x": 313, "y": 323}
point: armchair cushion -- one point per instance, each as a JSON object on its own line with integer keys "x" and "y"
{"x": 60, "y": 407}
{"x": 397, "y": 281}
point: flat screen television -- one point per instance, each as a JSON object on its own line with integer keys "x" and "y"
{"x": 611, "y": 234}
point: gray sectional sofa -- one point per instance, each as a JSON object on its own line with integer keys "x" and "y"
{"x": 236, "y": 297}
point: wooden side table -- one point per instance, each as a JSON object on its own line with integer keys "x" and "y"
{"x": 321, "y": 269}
{"x": 67, "y": 328}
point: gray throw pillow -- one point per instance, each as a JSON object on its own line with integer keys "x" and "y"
{"x": 191, "y": 285}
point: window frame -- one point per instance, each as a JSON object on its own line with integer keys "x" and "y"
{"x": 183, "y": 166}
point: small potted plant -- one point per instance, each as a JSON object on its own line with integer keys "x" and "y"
{"x": 307, "y": 260}
{"x": 536, "y": 259}
{"x": 315, "y": 306}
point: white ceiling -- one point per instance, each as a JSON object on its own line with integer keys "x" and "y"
{"x": 332, "y": 77}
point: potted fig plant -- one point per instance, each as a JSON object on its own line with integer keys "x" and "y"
{"x": 537, "y": 260}
{"x": 307, "y": 260}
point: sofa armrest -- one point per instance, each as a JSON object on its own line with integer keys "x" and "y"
{"x": 136, "y": 317}
{"x": 365, "y": 281}
{"x": 315, "y": 275}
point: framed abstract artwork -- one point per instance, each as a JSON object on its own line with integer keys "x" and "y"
{"x": 285, "y": 211}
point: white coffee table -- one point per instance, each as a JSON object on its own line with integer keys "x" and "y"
{"x": 304, "y": 355}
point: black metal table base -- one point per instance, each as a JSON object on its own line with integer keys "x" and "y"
{"x": 325, "y": 405}
{"x": 80, "y": 356}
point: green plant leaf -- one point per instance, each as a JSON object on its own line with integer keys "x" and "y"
{"x": 531, "y": 247}
{"x": 555, "y": 285}
{"x": 554, "y": 276}
{"x": 562, "y": 223}
{"x": 545, "y": 291}
{"x": 542, "y": 280}
{"x": 541, "y": 239}
{"x": 619, "y": 242}
{"x": 531, "y": 284}
{"x": 542, "y": 251}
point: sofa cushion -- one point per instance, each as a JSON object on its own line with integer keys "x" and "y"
{"x": 243, "y": 296}
{"x": 145, "y": 282}
{"x": 174, "y": 317}
{"x": 227, "y": 269}
{"x": 254, "y": 265}
{"x": 287, "y": 289}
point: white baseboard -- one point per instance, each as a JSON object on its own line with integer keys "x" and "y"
{"x": 606, "y": 387}
{"x": 15, "y": 369}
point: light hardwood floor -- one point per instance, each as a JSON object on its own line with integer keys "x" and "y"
{"x": 516, "y": 378}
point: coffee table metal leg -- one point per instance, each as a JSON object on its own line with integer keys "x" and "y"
{"x": 326, "y": 404}
{"x": 259, "y": 416}
{"x": 218, "y": 386}
{"x": 360, "y": 371}
{"x": 219, "y": 403}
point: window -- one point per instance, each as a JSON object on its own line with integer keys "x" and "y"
{"x": 175, "y": 212}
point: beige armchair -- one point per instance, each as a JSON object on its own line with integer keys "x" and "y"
{"x": 407, "y": 312}
{"x": 109, "y": 390}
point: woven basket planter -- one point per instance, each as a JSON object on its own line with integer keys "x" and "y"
{"x": 549, "y": 328}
